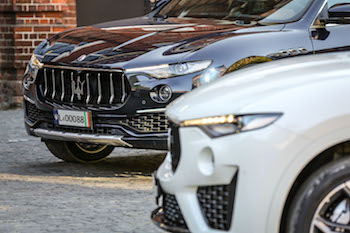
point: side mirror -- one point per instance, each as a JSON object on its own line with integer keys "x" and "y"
{"x": 339, "y": 13}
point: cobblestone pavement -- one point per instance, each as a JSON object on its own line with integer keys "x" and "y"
{"x": 39, "y": 193}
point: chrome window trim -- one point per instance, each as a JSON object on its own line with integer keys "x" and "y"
{"x": 318, "y": 13}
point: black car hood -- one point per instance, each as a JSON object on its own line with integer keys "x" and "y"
{"x": 116, "y": 44}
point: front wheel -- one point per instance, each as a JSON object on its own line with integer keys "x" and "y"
{"x": 322, "y": 205}
{"x": 79, "y": 152}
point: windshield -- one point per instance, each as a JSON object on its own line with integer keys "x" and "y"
{"x": 263, "y": 11}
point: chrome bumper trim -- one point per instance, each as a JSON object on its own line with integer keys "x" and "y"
{"x": 28, "y": 99}
{"x": 157, "y": 218}
{"x": 151, "y": 110}
{"x": 84, "y": 138}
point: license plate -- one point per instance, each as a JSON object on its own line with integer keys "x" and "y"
{"x": 72, "y": 118}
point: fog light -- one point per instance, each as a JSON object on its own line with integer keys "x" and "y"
{"x": 165, "y": 93}
{"x": 161, "y": 94}
{"x": 206, "y": 162}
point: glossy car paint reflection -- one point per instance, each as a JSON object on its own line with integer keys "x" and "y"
{"x": 149, "y": 40}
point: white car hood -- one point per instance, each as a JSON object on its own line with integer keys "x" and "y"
{"x": 240, "y": 89}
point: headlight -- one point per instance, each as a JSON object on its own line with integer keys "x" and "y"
{"x": 208, "y": 76}
{"x": 31, "y": 71}
{"x": 172, "y": 70}
{"x": 231, "y": 124}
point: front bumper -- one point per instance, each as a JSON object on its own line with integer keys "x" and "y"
{"x": 121, "y": 105}
{"x": 253, "y": 163}
{"x": 146, "y": 130}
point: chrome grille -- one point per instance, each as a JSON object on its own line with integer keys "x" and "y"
{"x": 83, "y": 87}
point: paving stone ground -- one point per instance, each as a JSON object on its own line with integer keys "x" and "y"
{"x": 39, "y": 193}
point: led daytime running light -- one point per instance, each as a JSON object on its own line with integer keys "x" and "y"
{"x": 211, "y": 120}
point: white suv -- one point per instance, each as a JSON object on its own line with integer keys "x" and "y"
{"x": 263, "y": 150}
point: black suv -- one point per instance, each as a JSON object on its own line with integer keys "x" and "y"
{"x": 90, "y": 89}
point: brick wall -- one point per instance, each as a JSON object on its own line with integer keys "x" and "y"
{"x": 23, "y": 25}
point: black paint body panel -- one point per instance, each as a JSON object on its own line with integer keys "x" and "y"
{"x": 147, "y": 41}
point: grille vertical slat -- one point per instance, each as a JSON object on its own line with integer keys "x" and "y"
{"x": 53, "y": 85}
{"x": 88, "y": 88}
{"x": 72, "y": 79}
{"x": 123, "y": 89}
{"x": 46, "y": 87}
{"x": 83, "y": 88}
{"x": 112, "y": 88}
{"x": 62, "y": 88}
{"x": 99, "y": 99}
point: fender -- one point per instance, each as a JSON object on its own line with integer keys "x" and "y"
{"x": 302, "y": 159}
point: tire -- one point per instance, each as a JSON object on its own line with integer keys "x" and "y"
{"x": 319, "y": 204}
{"x": 79, "y": 152}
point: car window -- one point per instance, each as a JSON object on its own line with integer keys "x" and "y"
{"x": 288, "y": 11}
{"x": 264, "y": 11}
{"x": 334, "y": 2}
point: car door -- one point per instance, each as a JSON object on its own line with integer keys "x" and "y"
{"x": 331, "y": 36}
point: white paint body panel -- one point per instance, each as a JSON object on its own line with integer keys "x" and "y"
{"x": 312, "y": 92}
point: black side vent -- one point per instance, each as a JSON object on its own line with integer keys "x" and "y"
{"x": 217, "y": 203}
{"x": 175, "y": 147}
{"x": 34, "y": 114}
{"x": 172, "y": 212}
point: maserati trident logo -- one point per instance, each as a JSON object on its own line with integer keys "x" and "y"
{"x": 77, "y": 88}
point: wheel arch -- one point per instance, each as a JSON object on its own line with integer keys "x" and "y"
{"x": 331, "y": 153}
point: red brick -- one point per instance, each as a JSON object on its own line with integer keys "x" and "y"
{"x": 23, "y": 43}
{"x": 42, "y": 29}
{"x": 59, "y": 29}
{"x": 53, "y": 14}
{"x": 25, "y": 15}
{"x": 44, "y": 21}
{"x": 23, "y": 29}
{"x": 25, "y": 24}
{"x": 59, "y": 1}
{"x": 41, "y": 1}
{"x": 23, "y": 1}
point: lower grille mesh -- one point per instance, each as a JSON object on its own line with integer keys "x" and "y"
{"x": 34, "y": 114}
{"x": 217, "y": 204}
{"x": 145, "y": 123}
{"x": 151, "y": 122}
{"x": 172, "y": 212}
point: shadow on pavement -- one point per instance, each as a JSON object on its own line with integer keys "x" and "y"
{"x": 115, "y": 166}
